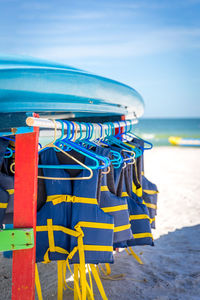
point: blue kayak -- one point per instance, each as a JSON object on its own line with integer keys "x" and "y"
{"x": 31, "y": 85}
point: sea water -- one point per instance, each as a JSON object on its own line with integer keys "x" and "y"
{"x": 157, "y": 131}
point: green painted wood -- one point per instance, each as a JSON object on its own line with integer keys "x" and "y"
{"x": 16, "y": 239}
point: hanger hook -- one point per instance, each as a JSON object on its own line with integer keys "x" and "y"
{"x": 92, "y": 130}
{"x": 101, "y": 130}
{"x": 62, "y": 132}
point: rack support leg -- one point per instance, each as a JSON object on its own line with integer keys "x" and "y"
{"x": 25, "y": 212}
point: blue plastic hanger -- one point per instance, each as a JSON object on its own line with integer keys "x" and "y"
{"x": 114, "y": 140}
{"x": 90, "y": 154}
{"x": 133, "y": 135}
{"x": 8, "y": 153}
{"x": 56, "y": 145}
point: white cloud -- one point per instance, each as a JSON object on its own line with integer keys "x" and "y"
{"x": 141, "y": 44}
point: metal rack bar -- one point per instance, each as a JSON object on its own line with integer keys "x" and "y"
{"x": 48, "y": 123}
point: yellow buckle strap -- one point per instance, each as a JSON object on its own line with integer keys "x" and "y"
{"x": 10, "y": 191}
{"x": 150, "y": 205}
{"x": 122, "y": 228}
{"x": 57, "y": 199}
{"x": 124, "y": 194}
{"x": 142, "y": 235}
{"x": 151, "y": 192}
{"x": 138, "y": 217}
{"x": 104, "y": 188}
{"x": 3, "y": 205}
{"x": 96, "y": 225}
{"x": 115, "y": 208}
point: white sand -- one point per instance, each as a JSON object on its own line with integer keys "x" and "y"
{"x": 171, "y": 269}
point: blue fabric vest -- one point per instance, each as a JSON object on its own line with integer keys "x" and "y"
{"x": 149, "y": 196}
{"x": 139, "y": 218}
{"x": 115, "y": 206}
{"x": 67, "y": 206}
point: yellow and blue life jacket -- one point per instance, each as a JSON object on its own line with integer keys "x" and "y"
{"x": 71, "y": 218}
{"x": 150, "y": 193}
{"x": 138, "y": 216}
{"x": 115, "y": 206}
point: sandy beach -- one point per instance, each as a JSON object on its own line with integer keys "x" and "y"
{"x": 171, "y": 269}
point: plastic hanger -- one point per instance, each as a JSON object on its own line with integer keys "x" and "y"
{"x": 8, "y": 153}
{"x": 90, "y": 154}
{"x": 133, "y": 135}
{"x": 52, "y": 145}
{"x": 121, "y": 139}
{"x": 113, "y": 140}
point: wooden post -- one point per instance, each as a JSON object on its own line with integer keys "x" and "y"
{"x": 25, "y": 212}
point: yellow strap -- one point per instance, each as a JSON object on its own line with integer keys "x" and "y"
{"x": 108, "y": 269}
{"x": 142, "y": 235}
{"x": 98, "y": 282}
{"x": 150, "y": 205}
{"x": 76, "y": 280}
{"x": 90, "y": 288}
{"x": 98, "y": 248}
{"x": 139, "y": 192}
{"x": 124, "y": 194}
{"x": 134, "y": 187}
{"x": 3, "y": 205}
{"x": 107, "y": 276}
{"x": 142, "y": 173}
{"x": 82, "y": 261}
{"x": 115, "y": 208}
{"x": 96, "y": 225}
{"x": 152, "y": 220}
{"x": 37, "y": 283}
{"x": 10, "y": 191}
{"x": 57, "y": 199}
{"x": 57, "y": 228}
{"x": 104, "y": 188}
{"x": 57, "y": 249}
{"x": 151, "y": 192}
{"x": 134, "y": 255}
{"x": 138, "y": 217}
{"x": 60, "y": 280}
{"x": 50, "y": 235}
{"x": 122, "y": 228}
{"x": 64, "y": 269}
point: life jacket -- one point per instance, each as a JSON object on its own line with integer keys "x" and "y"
{"x": 142, "y": 187}
{"x": 6, "y": 186}
{"x": 115, "y": 206}
{"x": 138, "y": 216}
{"x": 71, "y": 224}
{"x": 150, "y": 193}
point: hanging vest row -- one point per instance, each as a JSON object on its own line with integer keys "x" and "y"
{"x": 73, "y": 222}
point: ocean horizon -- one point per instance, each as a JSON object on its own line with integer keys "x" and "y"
{"x": 158, "y": 130}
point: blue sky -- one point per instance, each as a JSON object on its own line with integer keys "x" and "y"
{"x": 151, "y": 45}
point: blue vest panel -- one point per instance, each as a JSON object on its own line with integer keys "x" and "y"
{"x": 72, "y": 211}
{"x": 139, "y": 218}
{"x": 150, "y": 195}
